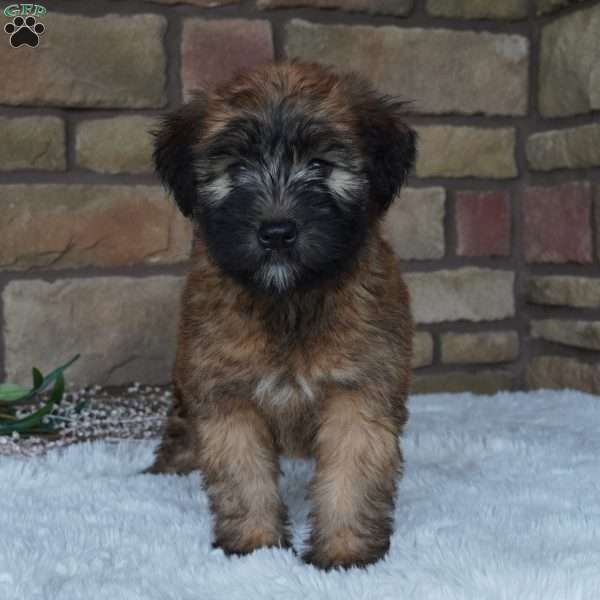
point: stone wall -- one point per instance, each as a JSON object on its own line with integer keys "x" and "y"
{"x": 498, "y": 230}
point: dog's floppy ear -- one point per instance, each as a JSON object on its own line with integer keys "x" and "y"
{"x": 390, "y": 147}
{"x": 173, "y": 151}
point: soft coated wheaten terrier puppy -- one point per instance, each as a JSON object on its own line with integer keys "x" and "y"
{"x": 295, "y": 333}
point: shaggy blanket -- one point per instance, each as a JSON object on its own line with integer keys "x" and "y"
{"x": 500, "y": 499}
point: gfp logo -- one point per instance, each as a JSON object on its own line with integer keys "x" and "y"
{"x": 25, "y": 28}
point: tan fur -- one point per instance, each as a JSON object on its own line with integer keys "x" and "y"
{"x": 238, "y": 460}
{"x": 321, "y": 373}
{"x": 258, "y": 389}
{"x": 358, "y": 460}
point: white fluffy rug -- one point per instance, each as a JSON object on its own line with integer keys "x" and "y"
{"x": 501, "y": 499}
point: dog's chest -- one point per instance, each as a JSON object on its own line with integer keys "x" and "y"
{"x": 276, "y": 389}
{"x": 290, "y": 405}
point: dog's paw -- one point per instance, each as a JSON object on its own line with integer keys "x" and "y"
{"x": 24, "y": 32}
{"x": 344, "y": 551}
{"x": 160, "y": 468}
{"x": 325, "y": 562}
{"x": 170, "y": 462}
{"x": 249, "y": 543}
{"x": 155, "y": 469}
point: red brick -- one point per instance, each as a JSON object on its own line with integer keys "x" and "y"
{"x": 483, "y": 224}
{"x": 557, "y": 225}
{"x": 213, "y": 50}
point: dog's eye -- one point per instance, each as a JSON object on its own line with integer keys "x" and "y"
{"x": 237, "y": 168}
{"x": 318, "y": 164}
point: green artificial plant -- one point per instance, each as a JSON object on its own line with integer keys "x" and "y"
{"x": 39, "y": 421}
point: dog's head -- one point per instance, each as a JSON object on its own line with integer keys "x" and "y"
{"x": 286, "y": 168}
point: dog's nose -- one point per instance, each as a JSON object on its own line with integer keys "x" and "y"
{"x": 277, "y": 235}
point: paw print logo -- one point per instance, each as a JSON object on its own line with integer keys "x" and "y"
{"x": 24, "y": 32}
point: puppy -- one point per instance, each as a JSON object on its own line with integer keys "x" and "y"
{"x": 295, "y": 333}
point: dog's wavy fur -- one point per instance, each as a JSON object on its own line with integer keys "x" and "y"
{"x": 316, "y": 363}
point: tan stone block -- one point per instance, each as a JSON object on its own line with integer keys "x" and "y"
{"x": 484, "y": 347}
{"x": 32, "y": 143}
{"x": 109, "y": 61}
{"x": 569, "y": 77}
{"x": 116, "y": 145}
{"x": 439, "y": 70}
{"x": 422, "y": 349}
{"x": 478, "y": 9}
{"x": 580, "y": 334}
{"x": 414, "y": 224}
{"x": 469, "y": 293}
{"x": 564, "y": 290}
{"x": 55, "y": 226}
{"x": 571, "y": 148}
{"x": 448, "y": 151}
{"x": 123, "y": 327}
{"x": 483, "y": 382}
{"x": 560, "y": 372}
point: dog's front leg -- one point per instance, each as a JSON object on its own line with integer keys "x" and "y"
{"x": 240, "y": 467}
{"x": 358, "y": 460}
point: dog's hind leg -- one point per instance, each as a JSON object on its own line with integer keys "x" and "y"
{"x": 177, "y": 452}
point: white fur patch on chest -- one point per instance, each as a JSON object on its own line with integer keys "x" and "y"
{"x": 275, "y": 389}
